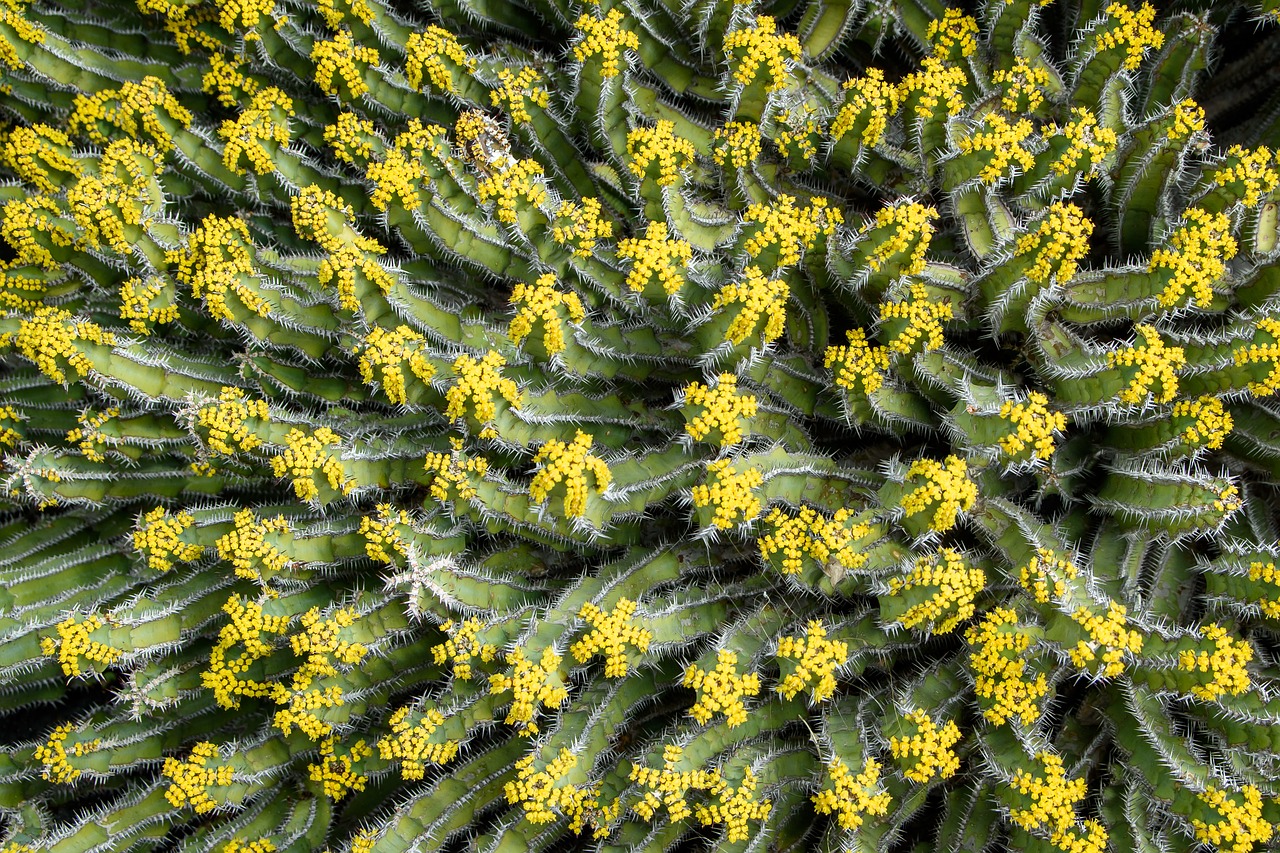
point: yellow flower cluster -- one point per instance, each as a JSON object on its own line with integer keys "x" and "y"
{"x": 483, "y": 142}
{"x": 927, "y": 752}
{"x": 306, "y": 455}
{"x": 105, "y": 204}
{"x": 658, "y": 144}
{"x": 388, "y": 353}
{"x": 235, "y": 845}
{"x": 216, "y": 260}
{"x": 11, "y": 18}
{"x": 515, "y": 91}
{"x": 28, "y": 219}
{"x": 541, "y": 794}
{"x": 812, "y": 535}
{"x": 337, "y": 773}
{"x": 1227, "y": 664}
{"x": 411, "y": 745}
{"x": 351, "y": 138}
{"x": 1201, "y": 247}
{"x": 609, "y": 633}
{"x": 1210, "y": 422}
{"x": 796, "y": 134}
{"x": 541, "y": 302}
{"x": 569, "y": 463}
{"x": 190, "y": 780}
{"x": 859, "y": 363}
{"x": 262, "y": 124}
{"x": 737, "y": 144}
{"x": 851, "y": 798}
{"x": 1043, "y": 575}
{"x": 936, "y": 83}
{"x": 1254, "y": 170}
{"x": 452, "y": 474}
{"x": 1023, "y": 86}
{"x": 10, "y": 436}
{"x": 923, "y": 320}
{"x": 817, "y": 660}
{"x": 955, "y": 586}
{"x": 225, "y": 423}
{"x": 246, "y": 546}
{"x": 54, "y": 756}
{"x": 606, "y": 38}
{"x": 461, "y": 647}
{"x": 247, "y": 626}
{"x": 336, "y": 66}
{"x": 92, "y": 440}
{"x": 1109, "y": 634}
{"x": 788, "y": 227}
{"x": 1267, "y": 573}
{"x": 1240, "y": 823}
{"x": 1000, "y": 670}
{"x": 1261, "y": 353}
{"x": 531, "y": 684}
{"x": 1052, "y": 807}
{"x": 656, "y": 255}
{"x": 1130, "y": 32}
{"x": 158, "y": 538}
{"x": 946, "y": 485}
{"x": 761, "y": 46}
{"x": 911, "y": 230}
{"x": 382, "y": 535}
{"x": 425, "y": 55}
{"x": 585, "y": 224}
{"x": 1088, "y": 145}
{"x": 337, "y": 13}
{"x": 401, "y": 174}
{"x": 48, "y": 339}
{"x": 136, "y": 303}
{"x": 226, "y": 81}
{"x": 1001, "y": 145}
{"x": 722, "y": 410}
{"x": 319, "y": 644}
{"x": 343, "y": 264}
{"x": 38, "y": 155}
{"x": 867, "y": 98}
{"x": 507, "y": 187}
{"x": 733, "y": 807}
{"x": 666, "y": 788}
{"x": 73, "y": 642}
{"x": 729, "y": 492}
{"x": 954, "y": 36}
{"x": 1034, "y": 425}
{"x": 1156, "y": 363}
{"x": 759, "y": 297}
{"x": 1058, "y": 244}
{"x": 721, "y": 690}
{"x": 477, "y": 383}
{"x": 135, "y": 109}
{"x": 1186, "y": 118}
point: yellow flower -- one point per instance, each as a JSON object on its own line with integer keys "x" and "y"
{"x": 1129, "y": 33}
{"x": 721, "y": 690}
{"x": 510, "y": 186}
{"x": 74, "y": 642}
{"x": 260, "y": 129}
{"x": 145, "y": 108}
{"x": 1001, "y": 146}
{"x": 158, "y": 539}
{"x": 48, "y": 339}
{"x": 1023, "y": 85}
{"x": 729, "y": 492}
{"x": 656, "y": 255}
{"x": 250, "y": 546}
{"x": 1226, "y": 664}
{"x": 542, "y": 303}
{"x": 1086, "y": 144}
{"x": 515, "y": 90}
{"x": 869, "y": 101}
{"x": 720, "y": 410}
{"x": 937, "y": 83}
{"x": 946, "y": 488}
{"x": 40, "y": 155}
{"x": 1240, "y": 823}
{"x": 336, "y": 65}
{"x": 954, "y": 36}
{"x": 951, "y": 587}
{"x": 666, "y": 788}
{"x": 1197, "y": 258}
{"x": 604, "y": 37}
{"x": 788, "y": 228}
{"x": 1108, "y": 635}
{"x": 816, "y": 661}
{"x": 585, "y": 224}
{"x": 411, "y": 744}
{"x": 1034, "y": 426}
{"x": 1251, "y": 170}
{"x": 542, "y": 793}
{"x": 852, "y": 798}
{"x": 55, "y": 756}
{"x": 762, "y": 47}
{"x": 217, "y": 262}
{"x": 1208, "y": 422}
{"x": 1156, "y": 363}
{"x": 190, "y": 780}
{"x": 920, "y": 317}
{"x": 927, "y": 753}
{"x": 1049, "y": 805}
{"x": 609, "y": 633}
{"x": 733, "y": 807}
{"x": 737, "y": 144}
{"x": 658, "y": 144}
{"x": 336, "y": 773}
{"x": 811, "y": 535}
{"x": 1000, "y": 669}
{"x": 759, "y": 298}
{"x": 903, "y": 228}
{"x": 568, "y": 463}
{"x": 1057, "y": 245}
{"x": 462, "y": 647}
{"x": 306, "y": 456}
{"x": 1260, "y": 354}
{"x": 428, "y": 56}
{"x": 477, "y": 383}
{"x": 858, "y": 364}
{"x": 1043, "y": 575}
{"x": 530, "y": 685}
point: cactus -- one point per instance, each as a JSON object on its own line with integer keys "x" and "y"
{"x": 524, "y": 425}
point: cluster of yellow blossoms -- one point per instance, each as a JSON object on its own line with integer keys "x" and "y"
{"x": 1034, "y": 427}
{"x": 733, "y": 806}
{"x": 816, "y": 661}
{"x": 1254, "y": 170}
{"x": 655, "y": 254}
{"x": 247, "y": 549}
{"x": 852, "y": 798}
{"x": 1129, "y": 32}
{"x": 1023, "y": 85}
{"x": 452, "y": 473}
{"x": 225, "y": 677}
{"x": 477, "y": 383}
{"x": 1240, "y": 823}
{"x": 1226, "y": 664}
{"x": 1001, "y": 146}
{"x": 585, "y": 224}
{"x": 946, "y": 489}
{"x": 305, "y": 456}
{"x": 1051, "y": 807}
{"x": 190, "y": 780}
{"x": 1262, "y": 354}
{"x": 936, "y": 84}
{"x": 73, "y": 642}
{"x": 789, "y": 228}
{"x": 92, "y": 440}
{"x": 158, "y": 539}
{"x": 917, "y": 319}
{"x": 760, "y": 298}
{"x": 224, "y": 424}
{"x": 541, "y": 302}
{"x": 730, "y": 492}
{"x": 1043, "y": 576}
{"x": 516, "y": 90}
{"x": 761, "y": 46}
{"x": 542, "y": 793}
{"x": 927, "y": 753}
{"x": 860, "y": 363}
{"x": 411, "y": 744}
{"x": 215, "y": 261}
{"x": 1267, "y": 573}
{"x": 337, "y": 71}
{"x": 721, "y": 690}
{"x": 737, "y": 144}
{"x": 336, "y": 773}
{"x": 38, "y": 154}
{"x": 259, "y": 129}
{"x": 531, "y": 684}
{"x": 138, "y": 300}
{"x": 137, "y": 110}
{"x": 1000, "y": 669}
{"x": 811, "y": 535}
{"x": 1087, "y": 144}
{"x": 509, "y": 187}
{"x": 610, "y": 633}
{"x": 425, "y": 55}
{"x": 604, "y": 37}
{"x": 1208, "y": 422}
{"x": 666, "y": 788}
{"x": 658, "y": 144}
{"x": 955, "y": 586}
{"x": 48, "y": 339}
{"x": 569, "y": 463}
{"x": 319, "y": 644}
{"x": 722, "y": 410}
{"x": 953, "y": 36}
{"x": 1156, "y": 363}
{"x": 389, "y": 352}
{"x": 903, "y": 228}
{"x": 1201, "y": 247}
{"x": 869, "y": 101}
{"x": 1057, "y": 245}
{"x": 53, "y": 754}
{"x": 1107, "y": 634}
{"x": 462, "y": 647}
{"x": 382, "y": 534}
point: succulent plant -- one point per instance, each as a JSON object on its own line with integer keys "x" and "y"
{"x": 545, "y": 425}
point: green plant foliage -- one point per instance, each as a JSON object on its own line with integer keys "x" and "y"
{"x": 535, "y": 425}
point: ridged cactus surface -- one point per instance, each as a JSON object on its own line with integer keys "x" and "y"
{"x": 513, "y": 425}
